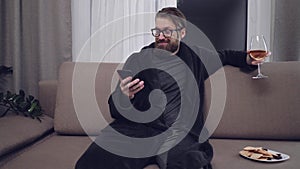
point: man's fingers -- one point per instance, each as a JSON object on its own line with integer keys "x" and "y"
{"x": 134, "y": 91}
{"x": 132, "y": 83}
{"x": 256, "y": 62}
{"x": 130, "y": 88}
{"x": 126, "y": 80}
{"x": 136, "y": 86}
{"x": 125, "y": 83}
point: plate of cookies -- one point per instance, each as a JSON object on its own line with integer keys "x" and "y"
{"x": 263, "y": 154}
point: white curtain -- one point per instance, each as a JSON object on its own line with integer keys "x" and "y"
{"x": 260, "y": 21}
{"x": 111, "y": 30}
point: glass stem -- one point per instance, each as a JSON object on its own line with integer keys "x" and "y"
{"x": 258, "y": 67}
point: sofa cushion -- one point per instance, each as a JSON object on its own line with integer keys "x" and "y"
{"x": 226, "y": 154}
{"x": 16, "y": 131}
{"x": 55, "y": 152}
{"x": 82, "y": 95}
{"x": 259, "y": 109}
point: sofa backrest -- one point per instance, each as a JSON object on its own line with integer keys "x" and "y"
{"x": 84, "y": 87}
{"x": 254, "y": 109}
{"x": 259, "y": 109}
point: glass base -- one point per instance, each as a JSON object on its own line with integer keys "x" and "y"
{"x": 259, "y": 76}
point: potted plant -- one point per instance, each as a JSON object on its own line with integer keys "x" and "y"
{"x": 18, "y": 103}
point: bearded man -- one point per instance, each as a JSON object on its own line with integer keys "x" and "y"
{"x": 158, "y": 110}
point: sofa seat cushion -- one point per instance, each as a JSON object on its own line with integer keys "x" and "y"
{"x": 16, "y": 131}
{"x": 54, "y": 152}
{"x": 226, "y": 154}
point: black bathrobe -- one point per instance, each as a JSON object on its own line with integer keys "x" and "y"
{"x": 178, "y": 117}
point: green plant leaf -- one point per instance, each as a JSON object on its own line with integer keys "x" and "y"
{"x": 8, "y": 94}
{"x": 12, "y": 97}
{"x": 33, "y": 105}
{"x": 18, "y": 103}
{"x": 24, "y": 106}
{"x": 22, "y": 93}
{"x": 18, "y": 99}
{"x": 30, "y": 98}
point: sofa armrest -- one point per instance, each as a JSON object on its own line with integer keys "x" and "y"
{"x": 47, "y": 96}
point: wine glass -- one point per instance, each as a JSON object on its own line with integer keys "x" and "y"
{"x": 258, "y": 51}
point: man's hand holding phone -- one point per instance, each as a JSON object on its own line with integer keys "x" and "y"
{"x": 128, "y": 86}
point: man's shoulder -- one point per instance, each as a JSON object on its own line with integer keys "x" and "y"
{"x": 151, "y": 45}
{"x": 140, "y": 57}
{"x": 142, "y": 52}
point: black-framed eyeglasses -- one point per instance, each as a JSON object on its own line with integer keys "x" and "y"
{"x": 166, "y": 32}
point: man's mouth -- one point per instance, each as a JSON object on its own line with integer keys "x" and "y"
{"x": 162, "y": 43}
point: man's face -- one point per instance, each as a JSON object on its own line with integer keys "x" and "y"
{"x": 170, "y": 44}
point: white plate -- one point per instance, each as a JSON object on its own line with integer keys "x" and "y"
{"x": 284, "y": 157}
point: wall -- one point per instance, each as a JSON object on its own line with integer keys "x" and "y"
{"x": 223, "y": 22}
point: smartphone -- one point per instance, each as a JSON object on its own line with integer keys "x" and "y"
{"x": 125, "y": 73}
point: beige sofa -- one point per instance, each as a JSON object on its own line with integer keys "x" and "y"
{"x": 256, "y": 112}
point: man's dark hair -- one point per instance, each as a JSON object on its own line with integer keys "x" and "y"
{"x": 174, "y": 14}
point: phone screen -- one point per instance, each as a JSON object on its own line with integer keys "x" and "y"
{"x": 125, "y": 73}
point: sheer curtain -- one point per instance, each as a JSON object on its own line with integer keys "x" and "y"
{"x": 260, "y": 22}
{"x": 279, "y": 22}
{"x": 35, "y": 38}
{"x": 111, "y": 30}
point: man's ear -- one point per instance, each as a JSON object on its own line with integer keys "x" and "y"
{"x": 183, "y": 33}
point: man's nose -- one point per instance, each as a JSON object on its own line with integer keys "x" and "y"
{"x": 161, "y": 36}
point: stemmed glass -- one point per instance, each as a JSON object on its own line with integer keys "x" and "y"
{"x": 258, "y": 51}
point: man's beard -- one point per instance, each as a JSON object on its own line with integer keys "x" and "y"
{"x": 171, "y": 46}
